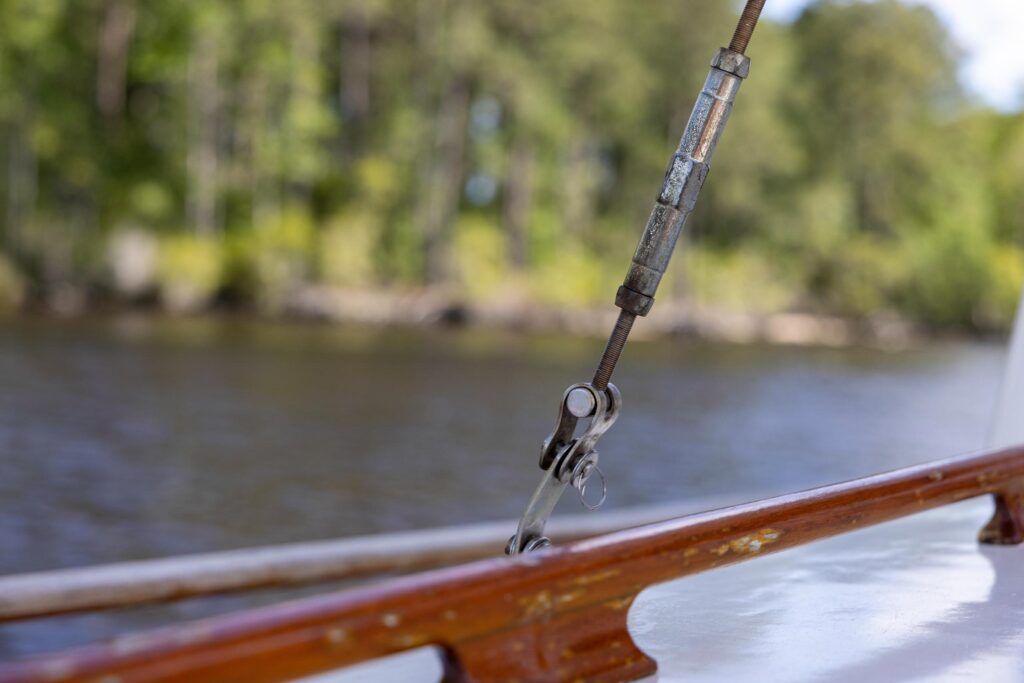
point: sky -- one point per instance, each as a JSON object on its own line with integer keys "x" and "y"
{"x": 990, "y": 32}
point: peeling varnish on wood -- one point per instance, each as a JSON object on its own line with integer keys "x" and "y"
{"x": 543, "y": 603}
{"x": 537, "y": 605}
{"x": 750, "y": 544}
{"x": 569, "y": 596}
{"x": 588, "y": 579}
{"x": 621, "y": 603}
{"x": 336, "y": 636}
{"x": 411, "y": 640}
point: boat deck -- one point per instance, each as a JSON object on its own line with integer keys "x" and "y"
{"x": 917, "y": 599}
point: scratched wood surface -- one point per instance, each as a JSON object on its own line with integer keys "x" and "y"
{"x": 556, "y": 615}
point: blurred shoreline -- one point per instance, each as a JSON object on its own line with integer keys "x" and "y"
{"x": 429, "y": 308}
{"x": 440, "y": 308}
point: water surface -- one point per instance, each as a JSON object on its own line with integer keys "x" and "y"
{"x": 134, "y": 438}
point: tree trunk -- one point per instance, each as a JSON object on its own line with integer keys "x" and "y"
{"x": 116, "y": 29}
{"x": 203, "y": 206}
{"x": 355, "y": 65}
{"x": 518, "y": 201}
{"x": 443, "y": 186}
{"x": 22, "y": 178}
{"x": 305, "y": 93}
{"x": 578, "y": 187}
{"x": 257, "y": 176}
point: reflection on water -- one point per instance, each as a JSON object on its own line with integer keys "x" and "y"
{"x": 132, "y": 438}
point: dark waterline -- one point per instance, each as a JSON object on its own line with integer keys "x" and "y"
{"x": 134, "y": 438}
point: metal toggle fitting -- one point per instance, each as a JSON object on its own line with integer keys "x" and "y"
{"x": 567, "y": 460}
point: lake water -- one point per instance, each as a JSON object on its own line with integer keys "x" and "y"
{"x": 133, "y": 438}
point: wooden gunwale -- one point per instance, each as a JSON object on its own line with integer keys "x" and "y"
{"x": 81, "y": 589}
{"x": 556, "y": 615}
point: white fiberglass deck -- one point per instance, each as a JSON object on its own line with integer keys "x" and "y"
{"x": 913, "y": 600}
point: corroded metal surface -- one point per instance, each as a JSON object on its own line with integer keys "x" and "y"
{"x": 745, "y": 27}
{"x": 556, "y": 615}
{"x": 612, "y": 351}
{"x": 684, "y": 179}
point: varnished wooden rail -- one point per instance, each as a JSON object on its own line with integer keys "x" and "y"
{"x": 127, "y": 584}
{"x": 556, "y": 615}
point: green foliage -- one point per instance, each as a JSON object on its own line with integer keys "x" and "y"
{"x": 739, "y": 280}
{"x": 480, "y": 258}
{"x": 272, "y": 262}
{"x": 572, "y": 277}
{"x": 949, "y": 276}
{"x": 1001, "y": 301}
{"x": 346, "y": 250}
{"x": 12, "y": 286}
{"x": 498, "y": 152}
{"x": 189, "y": 272}
{"x": 869, "y": 275}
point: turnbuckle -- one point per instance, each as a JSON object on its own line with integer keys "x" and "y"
{"x": 567, "y": 460}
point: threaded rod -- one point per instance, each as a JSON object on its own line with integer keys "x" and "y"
{"x": 745, "y": 28}
{"x": 613, "y": 350}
